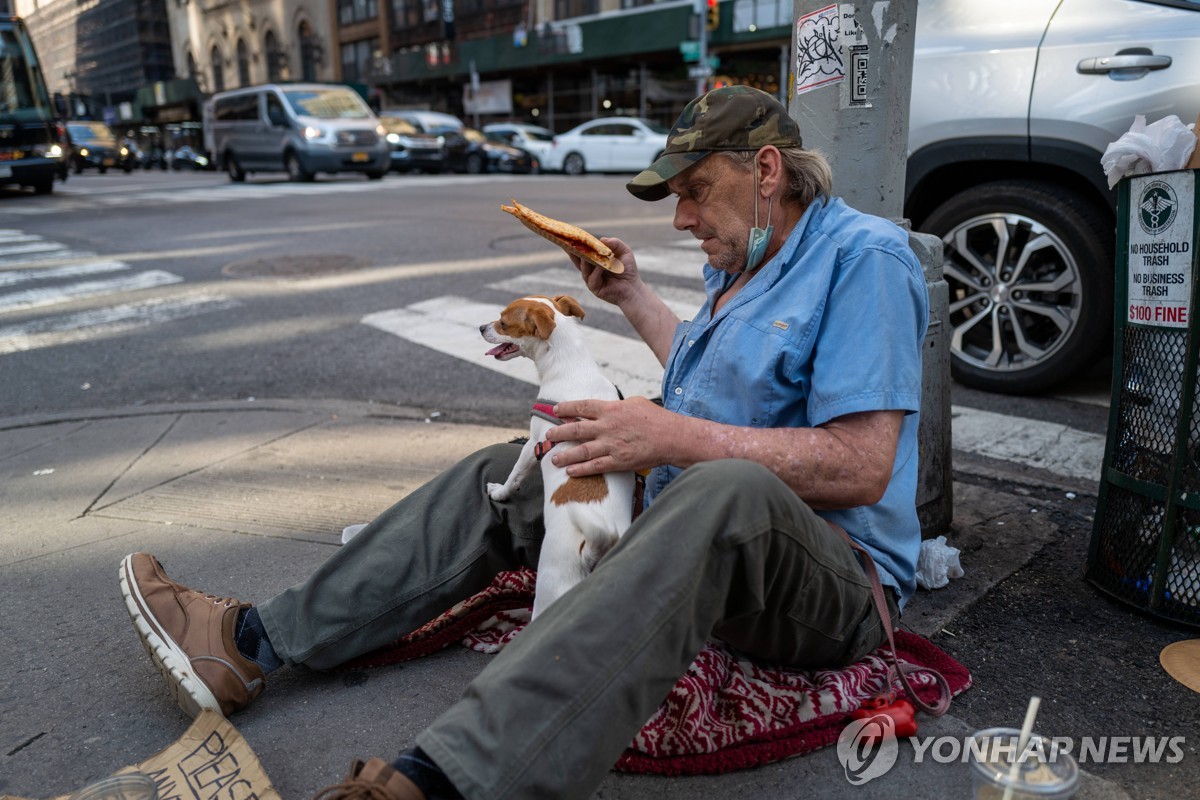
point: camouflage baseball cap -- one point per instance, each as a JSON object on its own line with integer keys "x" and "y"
{"x": 729, "y": 118}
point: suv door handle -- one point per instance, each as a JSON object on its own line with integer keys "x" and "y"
{"x": 1106, "y": 64}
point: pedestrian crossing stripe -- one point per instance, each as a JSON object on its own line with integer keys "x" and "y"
{"x": 21, "y": 257}
{"x": 450, "y": 325}
{"x": 109, "y": 321}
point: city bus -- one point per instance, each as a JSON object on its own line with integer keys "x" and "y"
{"x": 30, "y": 153}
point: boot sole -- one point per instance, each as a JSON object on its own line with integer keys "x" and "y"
{"x": 191, "y": 693}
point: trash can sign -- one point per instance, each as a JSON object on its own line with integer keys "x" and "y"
{"x": 1162, "y": 219}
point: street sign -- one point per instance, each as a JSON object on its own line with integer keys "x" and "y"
{"x": 700, "y": 71}
{"x": 690, "y": 51}
{"x": 714, "y": 61}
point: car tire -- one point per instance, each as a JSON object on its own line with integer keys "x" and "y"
{"x": 573, "y": 164}
{"x": 1021, "y": 323}
{"x": 43, "y": 185}
{"x": 376, "y": 175}
{"x": 233, "y": 169}
{"x": 295, "y": 170}
{"x": 475, "y": 164}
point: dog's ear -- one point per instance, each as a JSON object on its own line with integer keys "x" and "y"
{"x": 541, "y": 319}
{"x": 569, "y": 306}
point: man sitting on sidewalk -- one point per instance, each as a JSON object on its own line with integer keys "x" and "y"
{"x": 796, "y": 387}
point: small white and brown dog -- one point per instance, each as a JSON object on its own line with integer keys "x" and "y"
{"x": 584, "y": 517}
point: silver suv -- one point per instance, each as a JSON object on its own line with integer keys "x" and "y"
{"x": 1013, "y": 104}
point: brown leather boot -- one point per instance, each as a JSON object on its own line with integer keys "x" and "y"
{"x": 374, "y": 779}
{"x": 189, "y": 635}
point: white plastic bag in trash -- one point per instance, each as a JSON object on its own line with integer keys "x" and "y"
{"x": 1162, "y": 146}
{"x": 937, "y": 564}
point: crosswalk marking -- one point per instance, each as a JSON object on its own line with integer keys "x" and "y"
{"x": 37, "y": 298}
{"x": 54, "y": 273}
{"x": 107, "y": 321}
{"x": 450, "y": 325}
{"x": 29, "y": 259}
{"x": 22, "y": 248}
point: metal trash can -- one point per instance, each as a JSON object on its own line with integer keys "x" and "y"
{"x": 1145, "y": 547}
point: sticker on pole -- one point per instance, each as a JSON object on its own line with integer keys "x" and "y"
{"x": 1161, "y": 224}
{"x": 818, "y": 53}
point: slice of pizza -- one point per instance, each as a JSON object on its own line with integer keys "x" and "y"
{"x": 574, "y": 240}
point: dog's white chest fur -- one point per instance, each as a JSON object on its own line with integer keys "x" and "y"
{"x": 584, "y": 517}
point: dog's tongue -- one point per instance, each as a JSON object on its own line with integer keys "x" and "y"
{"x": 500, "y": 350}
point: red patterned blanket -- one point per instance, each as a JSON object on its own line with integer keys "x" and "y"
{"x": 724, "y": 713}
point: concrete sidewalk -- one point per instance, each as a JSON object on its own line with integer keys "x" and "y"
{"x": 244, "y": 499}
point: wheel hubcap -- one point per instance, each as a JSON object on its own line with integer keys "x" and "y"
{"x": 1015, "y": 292}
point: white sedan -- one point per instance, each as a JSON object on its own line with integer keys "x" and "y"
{"x": 609, "y": 144}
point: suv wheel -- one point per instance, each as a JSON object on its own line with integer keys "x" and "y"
{"x": 295, "y": 170}
{"x": 573, "y": 164}
{"x": 234, "y": 169}
{"x": 1029, "y": 265}
{"x": 475, "y": 164}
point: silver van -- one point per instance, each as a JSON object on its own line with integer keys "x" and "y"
{"x": 302, "y": 128}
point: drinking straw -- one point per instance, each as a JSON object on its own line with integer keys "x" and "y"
{"x": 1026, "y": 730}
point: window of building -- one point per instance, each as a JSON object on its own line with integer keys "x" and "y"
{"x": 565, "y": 9}
{"x": 311, "y": 51}
{"x": 358, "y": 59}
{"x": 243, "y": 63}
{"x": 218, "y": 71}
{"x": 754, "y": 15}
{"x": 351, "y": 11}
{"x": 276, "y": 58}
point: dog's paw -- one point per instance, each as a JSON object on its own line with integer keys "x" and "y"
{"x": 498, "y": 492}
{"x": 594, "y": 548}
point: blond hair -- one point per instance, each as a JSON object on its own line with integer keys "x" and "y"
{"x": 809, "y": 174}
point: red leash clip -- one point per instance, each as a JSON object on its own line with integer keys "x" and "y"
{"x": 901, "y": 712}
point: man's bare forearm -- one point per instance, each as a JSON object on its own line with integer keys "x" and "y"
{"x": 652, "y": 320}
{"x": 844, "y": 464}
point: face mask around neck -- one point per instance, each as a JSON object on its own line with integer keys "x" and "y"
{"x": 756, "y": 245}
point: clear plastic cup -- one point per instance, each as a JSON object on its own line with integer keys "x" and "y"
{"x": 127, "y": 786}
{"x": 1045, "y": 772}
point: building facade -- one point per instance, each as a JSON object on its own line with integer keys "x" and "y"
{"x": 226, "y": 44}
{"x": 556, "y": 62}
{"x": 100, "y": 52}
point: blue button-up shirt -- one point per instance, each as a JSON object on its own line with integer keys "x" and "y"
{"x": 832, "y": 325}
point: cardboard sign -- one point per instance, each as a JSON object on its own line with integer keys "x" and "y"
{"x": 1161, "y": 223}
{"x": 211, "y": 761}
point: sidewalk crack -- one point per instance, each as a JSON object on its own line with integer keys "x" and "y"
{"x": 130, "y": 466}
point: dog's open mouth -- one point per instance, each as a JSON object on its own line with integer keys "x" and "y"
{"x": 504, "y": 351}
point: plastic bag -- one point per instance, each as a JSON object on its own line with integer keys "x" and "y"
{"x": 937, "y": 564}
{"x": 1163, "y": 146}
{"x": 350, "y": 531}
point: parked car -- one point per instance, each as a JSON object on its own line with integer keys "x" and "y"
{"x": 436, "y": 123}
{"x": 1012, "y": 106}
{"x": 530, "y": 138}
{"x": 97, "y": 148}
{"x": 412, "y": 150}
{"x": 609, "y": 144}
{"x": 188, "y": 157}
{"x": 470, "y": 151}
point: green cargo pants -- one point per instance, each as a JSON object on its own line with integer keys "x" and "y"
{"x": 726, "y": 551}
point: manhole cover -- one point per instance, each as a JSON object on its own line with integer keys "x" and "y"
{"x": 294, "y": 266}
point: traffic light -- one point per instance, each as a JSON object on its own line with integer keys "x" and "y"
{"x": 713, "y": 21}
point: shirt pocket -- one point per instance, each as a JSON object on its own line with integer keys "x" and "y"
{"x": 745, "y": 376}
